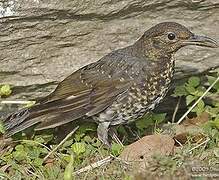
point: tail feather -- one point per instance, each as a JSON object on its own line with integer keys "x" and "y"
{"x": 60, "y": 105}
{"x": 45, "y": 121}
{"x": 60, "y": 111}
{"x": 60, "y": 119}
{"x": 19, "y": 127}
{"x": 16, "y": 118}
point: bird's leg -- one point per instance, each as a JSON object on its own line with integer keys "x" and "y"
{"x": 114, "y": 134}
{"x": 102, "y": 132}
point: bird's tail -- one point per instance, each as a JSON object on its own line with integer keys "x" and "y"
{"x": 47, "y": 115}
{"x": 14, "y": 122}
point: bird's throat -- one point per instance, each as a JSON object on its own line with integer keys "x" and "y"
{"x": 152, "y": 53}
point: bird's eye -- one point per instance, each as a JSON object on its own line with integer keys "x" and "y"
{"x": 171, "y": 36}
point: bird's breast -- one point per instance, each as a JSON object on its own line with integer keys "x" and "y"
{"x": 144, "y": 94}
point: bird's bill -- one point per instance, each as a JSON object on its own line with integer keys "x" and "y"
{"x": 201, "y": 41}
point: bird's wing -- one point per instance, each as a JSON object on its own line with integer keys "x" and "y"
{"x": 107, "y": 72}
{"x": 86, "y": 80}
{"x": 91, "y": 89}
{"x": 86, "y": 92}
{"x": 81, "y": 94}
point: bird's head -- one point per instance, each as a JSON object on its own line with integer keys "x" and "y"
{"x": 169, "y": 37}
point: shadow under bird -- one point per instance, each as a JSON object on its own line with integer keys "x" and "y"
{"x": 117, "y": 89}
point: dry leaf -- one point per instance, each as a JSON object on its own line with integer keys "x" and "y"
{"x": 182, "y": 133}
{"x": 148, "y": 146}
{"x": 49, "y": 162}
{"x": 188, "y": 128}
{"x": 191, "y": 127}
{"x": 199, "y": 120}
{"x": 140, "y": 153}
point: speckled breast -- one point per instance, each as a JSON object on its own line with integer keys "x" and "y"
{"x": 142, "y": 97}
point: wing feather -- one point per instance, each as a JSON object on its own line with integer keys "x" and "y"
{"x": 86, "y": 92}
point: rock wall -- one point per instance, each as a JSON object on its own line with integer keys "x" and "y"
{"x": 43, "y": 41}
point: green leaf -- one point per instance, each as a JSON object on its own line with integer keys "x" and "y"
{"x": 121, "y": 130}
{"x": 78, "y": 148}
{"x": 68, "y": 174}
{"x": 79, "y": 136}
{"x": 200, "y": 107}
{"x": 180, "y": 91}
{"x": 19, "y": 147}
{"x": 144, "y": 122}
{"x": 34, "y": 153}
{"x": 189, "y": 99}
{"x": 39, "y": 139}
{"x": 87, "y": 127}
{"x": 20, "y": 153}
{"x": 201, "y": 104}
{"x": 44, "y": 138}
{"x": 199, "y": 91}
{"x": 116, "y": 149}
{"x": 194, "y": 81}
{"x": 190, "y": 89}
{"x": 5, "y": 90}
{"x": 211, "y": 80}
{"x": 67, "y": 143}
{"x": 213, "y": 111}
{"x": 38, "y": 162}
{"x": 96, "y": 143}
{"x": 88, "y": 139}
{"x": 215, "y": 123}
{"x": 158, "y": 118}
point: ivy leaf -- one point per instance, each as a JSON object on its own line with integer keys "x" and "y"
{"x": 96, "y": 142}
{"x": 44, "y": 138}
{"x": 194, "y": 81}
{"x": 79, "y": 136}
{"x": 34, "y": 153}
{"x": 199, "y": 91}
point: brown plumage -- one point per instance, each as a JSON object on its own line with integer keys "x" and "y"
{"x": 119, "y": 88}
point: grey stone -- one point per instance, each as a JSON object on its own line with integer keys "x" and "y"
{"x": 42, "y": 42}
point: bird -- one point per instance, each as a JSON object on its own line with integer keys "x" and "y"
{"x": 117, "y": 89}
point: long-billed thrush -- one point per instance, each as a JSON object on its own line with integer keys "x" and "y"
{"x": 119, "y": 88}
